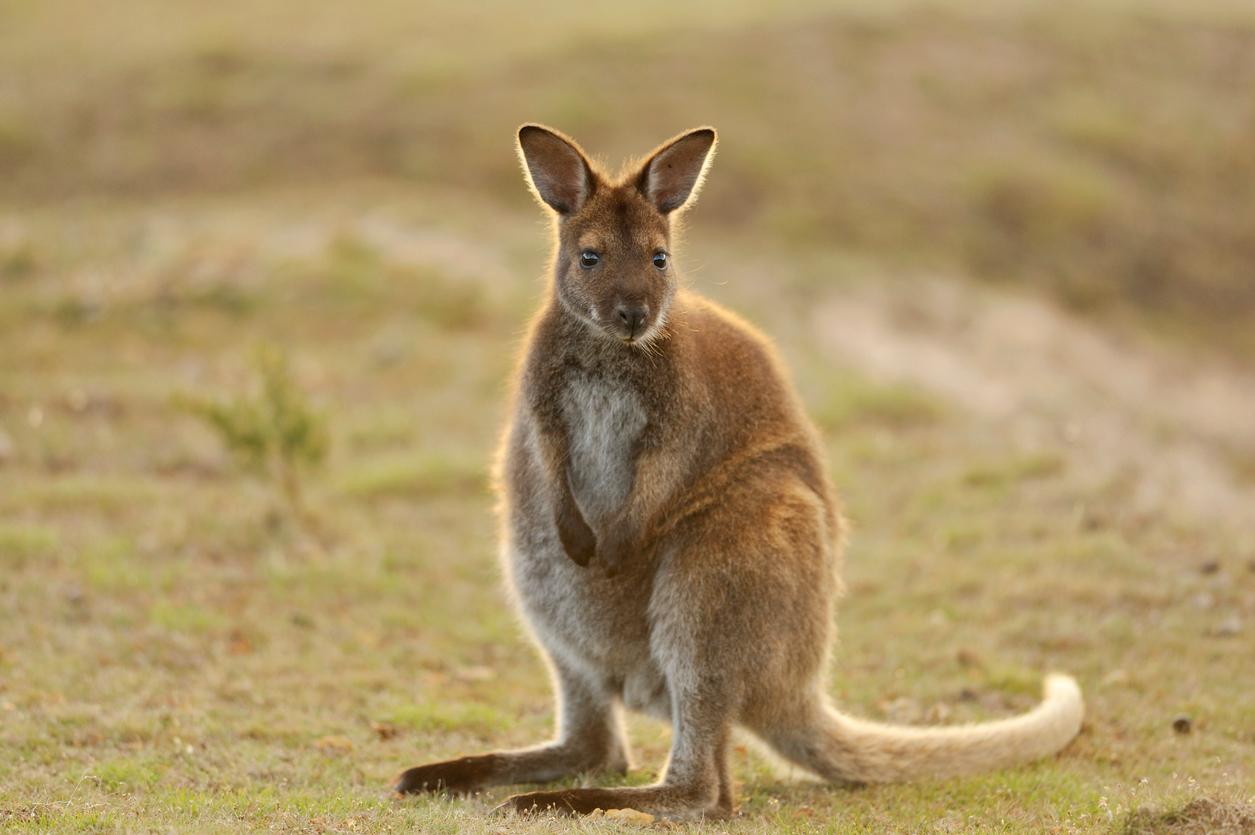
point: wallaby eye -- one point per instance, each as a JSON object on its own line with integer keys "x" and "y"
{"x": 660, "y": 260}
{"x": 589, "y": 259}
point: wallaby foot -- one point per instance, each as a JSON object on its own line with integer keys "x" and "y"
{"x": 661, "y": 800}
{"x": 461, "y": 776}
{"x": 591, "y": 740}
{"x": 466, "y": 775}
{"x": 696, "y": 783}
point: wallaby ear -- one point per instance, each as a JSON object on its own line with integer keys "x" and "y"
{"x": 557, "y": 169}
{"x": 673, "y": 174}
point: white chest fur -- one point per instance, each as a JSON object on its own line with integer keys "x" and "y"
{"x": 603, "y": 418}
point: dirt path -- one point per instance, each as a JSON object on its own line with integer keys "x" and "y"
{"x": 1184, "y": 429}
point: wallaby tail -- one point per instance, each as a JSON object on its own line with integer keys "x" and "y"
{"x": 845, "y": 749}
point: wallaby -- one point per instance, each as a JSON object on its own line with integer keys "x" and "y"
{"x": 669, "y": 530}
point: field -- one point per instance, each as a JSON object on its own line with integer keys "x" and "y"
{"x": 1006, "y": 249}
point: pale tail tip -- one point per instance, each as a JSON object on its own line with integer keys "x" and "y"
{"x": 1061, "y": 684}
{"x": 1062, "y": 692}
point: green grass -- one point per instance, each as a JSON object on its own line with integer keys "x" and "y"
{"x": 176, "y": 654}
{"x": 20, "y": 543}
{"x": 442, "y": 718}
{"x": 851, "y": 401}
{"x": 125, "y": 775}
{"x": 416, "y": 476}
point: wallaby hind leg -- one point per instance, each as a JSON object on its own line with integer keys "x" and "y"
{"x": 695, "y": 785}
{"x": 738, "y": 625}
{"x": 687, "y": 620}
{"x": 590, "y": 738}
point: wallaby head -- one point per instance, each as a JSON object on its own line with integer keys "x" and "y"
{"x": 613, "y": 266}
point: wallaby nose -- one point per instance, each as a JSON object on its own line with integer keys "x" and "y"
{"x": 632, "y": 317}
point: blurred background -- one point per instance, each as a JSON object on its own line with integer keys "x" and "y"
{"x": 1102, "y": 152}
{"x": 264, "y": 268}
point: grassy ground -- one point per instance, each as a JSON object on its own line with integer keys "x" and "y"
{"x": 177, "y": 651}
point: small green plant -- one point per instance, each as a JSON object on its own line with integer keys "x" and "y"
{"x": 275, "y": 433}
{"x": 19, "y": 260}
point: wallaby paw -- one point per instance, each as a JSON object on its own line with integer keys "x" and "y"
{"x": 461, "y": 776}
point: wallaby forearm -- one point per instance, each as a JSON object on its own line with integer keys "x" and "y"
{"x": 578, "y": 539}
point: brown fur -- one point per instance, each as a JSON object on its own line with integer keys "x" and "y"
{"x": 669, "y": 529}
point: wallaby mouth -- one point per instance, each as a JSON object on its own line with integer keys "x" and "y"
{"x": 630, "y": 321}
{"x": 644, "y": 336}
{"x": 632, "y": 338}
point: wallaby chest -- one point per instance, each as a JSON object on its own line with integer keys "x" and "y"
{"x": 604, "y": 419}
